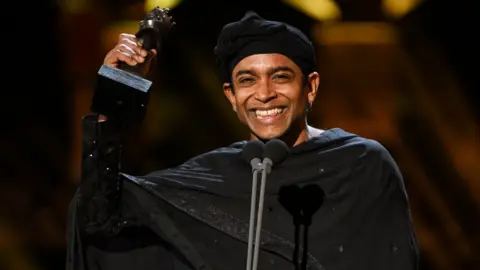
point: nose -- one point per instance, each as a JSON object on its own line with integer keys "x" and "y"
{"x": 265, "y": 93}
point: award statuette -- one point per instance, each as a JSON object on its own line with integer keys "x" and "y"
{"x": 121, "y": 93}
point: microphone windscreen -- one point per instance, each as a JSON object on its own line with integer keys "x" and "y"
{"x": 276, "y": 150}
{"x": 253, "y": 149}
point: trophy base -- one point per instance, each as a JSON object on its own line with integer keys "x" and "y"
{"x": 120, "y": 95}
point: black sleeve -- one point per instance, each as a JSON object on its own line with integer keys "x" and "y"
{"x": 395, "y": 225}
{"x": 386, "y": 220}
{"x": 99, "y": 204}
{"x": 136, "y": 245}
{"x": 107, "y": 228}
{"x": 371, "y": 226}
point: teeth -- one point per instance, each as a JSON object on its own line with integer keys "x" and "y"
{"x": 266, "y": 113}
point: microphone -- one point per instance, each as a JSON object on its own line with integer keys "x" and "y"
{"x": 251, "y": 154}
{"x": 276, "y": 151}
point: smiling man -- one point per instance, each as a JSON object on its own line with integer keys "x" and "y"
{"x": 337, "y": 202}
{"x": 272, "y": 96}
{"x": 270, "y": 78}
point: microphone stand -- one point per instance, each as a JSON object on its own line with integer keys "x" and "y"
{"x": 265, "y": 168}
{"x": 256, "y": 168}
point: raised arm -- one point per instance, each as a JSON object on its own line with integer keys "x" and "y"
{"x": 98, "y": 199}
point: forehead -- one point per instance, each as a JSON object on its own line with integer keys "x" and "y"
{"x": 265, "y": 62}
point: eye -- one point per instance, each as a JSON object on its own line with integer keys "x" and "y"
{"x": 246, "y": 80}
{"x": 281, "y": 77}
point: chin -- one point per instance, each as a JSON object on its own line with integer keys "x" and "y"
{"x": 268, "y": 134}
{"x": 266, "y": 137}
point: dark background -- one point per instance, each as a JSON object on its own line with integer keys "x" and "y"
{"x": 408, "y": 82}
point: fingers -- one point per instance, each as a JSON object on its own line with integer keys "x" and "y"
{"x": 128, "y": 50}
{"x": 127, "y": 36}
{"x": 126, "y": 57}
{"x": 132, "y": 42}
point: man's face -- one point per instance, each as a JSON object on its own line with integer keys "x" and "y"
{"x": 270, "y": 94}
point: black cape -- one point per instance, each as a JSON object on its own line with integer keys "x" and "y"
{"x": 337, "y": 202}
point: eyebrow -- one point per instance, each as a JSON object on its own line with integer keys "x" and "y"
{"x": 270, "y": 72}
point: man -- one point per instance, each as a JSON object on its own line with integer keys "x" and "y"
{"x": 337, "y": 202}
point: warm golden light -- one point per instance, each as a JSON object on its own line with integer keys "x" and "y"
{"x": 151, "y": 4}
{"x": 111, "y": 32}
{"x": 73, "y": 6}
{"x": 399, "y": 8}
{"x": 366, "y": 33}
{"x": 322, "y": 10}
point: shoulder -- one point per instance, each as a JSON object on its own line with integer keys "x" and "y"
{"x": 363, "y": 148}
{"x": 374, "y": 148}
{"x": 218, "y": 156}
{"x": 209, "y": 165}
{"x": 370, "y": 161}
{"x": 376, "y": 158}
{"x": 226, "y": 151}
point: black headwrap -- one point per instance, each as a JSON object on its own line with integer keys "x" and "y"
{"x": 255, "y": 35}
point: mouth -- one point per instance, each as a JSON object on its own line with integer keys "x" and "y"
{"x": 268, "y": 115}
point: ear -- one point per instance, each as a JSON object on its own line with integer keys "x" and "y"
{"x": 312, "y": 83}
{"x": 228, "y": 91}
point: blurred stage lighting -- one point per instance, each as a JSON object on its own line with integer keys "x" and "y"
{"x": 73, "y": 6}
{"x": 399, "y": 8}
{"x": 356, "y": 33}
{"x": 321, "y": 10}
{"x": 151, "y": 4}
